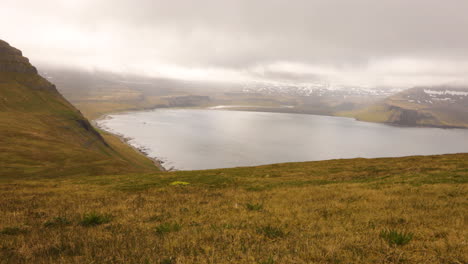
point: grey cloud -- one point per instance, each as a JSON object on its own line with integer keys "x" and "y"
{"x": 238, "y": 35}
{"x": 305, "y": 30}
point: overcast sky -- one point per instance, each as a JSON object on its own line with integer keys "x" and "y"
{"x": 353, "y": 42}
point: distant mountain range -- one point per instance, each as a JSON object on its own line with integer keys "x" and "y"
{"x": 316, "y": 89}
{"x": 98, "y": 93}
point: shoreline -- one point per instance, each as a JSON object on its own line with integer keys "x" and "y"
{"x": 285, "y": 109}
{"x": 157, "y": 162}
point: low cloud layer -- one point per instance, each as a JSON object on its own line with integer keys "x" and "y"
{"x": 362, "y": 42}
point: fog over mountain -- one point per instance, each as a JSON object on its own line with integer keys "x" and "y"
{"x": 364, "y": 42}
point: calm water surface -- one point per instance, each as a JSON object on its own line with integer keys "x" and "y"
{"x": 188, "y": 139}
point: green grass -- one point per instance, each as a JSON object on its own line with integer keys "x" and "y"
{"x": 271, "y": 231}
{"x": 94, "y": 219}
{"x": 167, "y": 228}
{"x": 254, "y": 207}
{"x": 12, "y": 231}
{"x": 58, "y": 221}
{"x": 394, "y": 237}
{"x": 379, "y": 113}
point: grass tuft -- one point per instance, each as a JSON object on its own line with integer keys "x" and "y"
{"x": 158, "y": 217}
{"x": 12, "y": 231}
{"x": 57, "y": 221}
{"x": 394, "y": 237}
{"x": 254, "y": 207}
{"x": 94, "y": 219}
{"x": 271, "y": 231}
{"x": 270, "y": 260}
{"x": 167, "y": 228}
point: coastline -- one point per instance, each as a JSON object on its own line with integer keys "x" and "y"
{"x": 157, "y": 162}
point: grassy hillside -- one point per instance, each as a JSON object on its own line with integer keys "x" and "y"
{"x": 421, "y": 106}
{"x": 42, "y": 134}
{"x": 392, "y": 210}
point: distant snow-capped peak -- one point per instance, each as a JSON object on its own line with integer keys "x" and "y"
{"x": 314, "y": 89}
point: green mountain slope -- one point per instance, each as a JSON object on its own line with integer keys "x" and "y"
{"x": 421, "y": 106}
{"x": 42, "y": 134}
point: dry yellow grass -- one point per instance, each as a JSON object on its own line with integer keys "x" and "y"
{"x": 314, "y": 212}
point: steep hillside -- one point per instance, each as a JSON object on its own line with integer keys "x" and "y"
{"x": 41, "y": 133}
{"x": 422, "y": 106}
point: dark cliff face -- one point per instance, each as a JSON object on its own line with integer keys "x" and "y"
{"x": 14, "y": 65}
{"x": 12, "y": 60}
{"x": 408, "y": 117}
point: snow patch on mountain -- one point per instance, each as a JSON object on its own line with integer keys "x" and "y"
{"x": 445, "y": 92}
{"x": 314, "y": 89}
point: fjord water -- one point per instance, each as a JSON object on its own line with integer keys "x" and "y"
{"x": 189, "y": 139}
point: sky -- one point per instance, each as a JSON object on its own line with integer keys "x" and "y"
{"x": 366, "y": 43}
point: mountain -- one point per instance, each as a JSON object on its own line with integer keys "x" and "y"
{"x": 41, "y": 133}
{"x": 97, "y": 93}
{"x": 434, "y": 106}
{"x": 316, "y": 89}
{"x": 315, "y": 98}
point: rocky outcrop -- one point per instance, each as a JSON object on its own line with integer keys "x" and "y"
{"x": 13, "y": 63}
{"x": 430, "y": 106}
{"x": 12, "y": 60}
{"x": 408, "y": 117}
